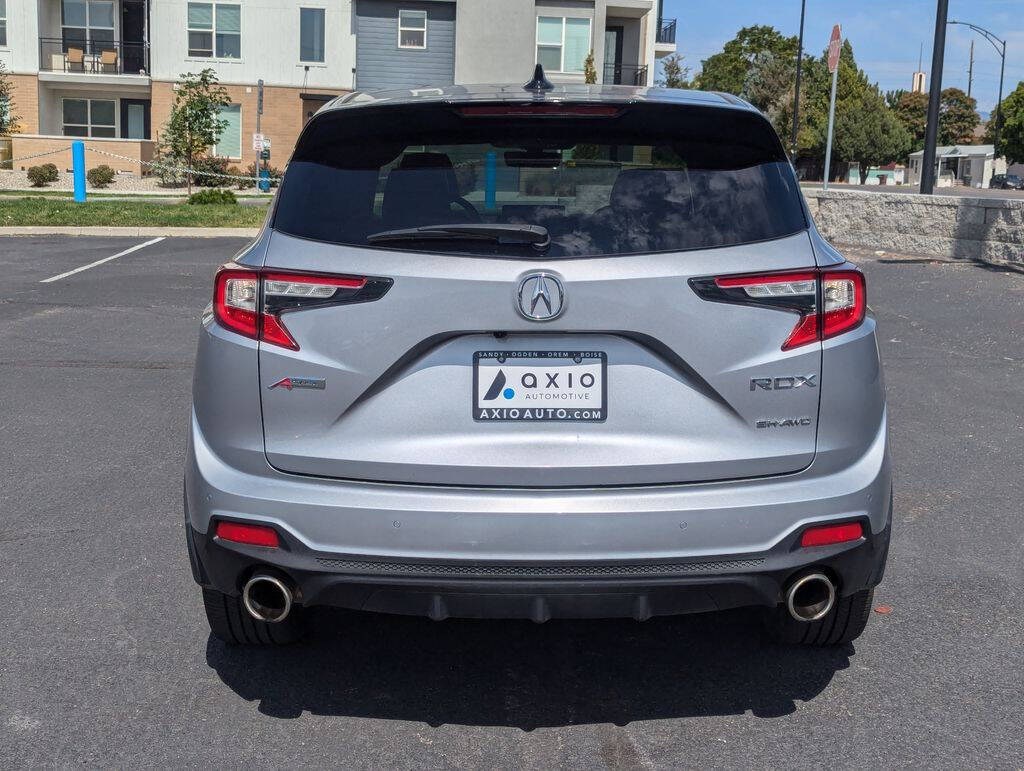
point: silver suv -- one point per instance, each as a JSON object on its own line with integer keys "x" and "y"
{"x": 535, "y": 352}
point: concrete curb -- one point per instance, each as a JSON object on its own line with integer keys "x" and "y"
{"x": 44, "y": 230}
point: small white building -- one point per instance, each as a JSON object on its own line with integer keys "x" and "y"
{"x": 970, "y": 165}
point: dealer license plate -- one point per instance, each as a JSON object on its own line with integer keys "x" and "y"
{"x": 540, "y": 385}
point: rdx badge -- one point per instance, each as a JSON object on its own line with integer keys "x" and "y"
{"x": 782, "y": 383}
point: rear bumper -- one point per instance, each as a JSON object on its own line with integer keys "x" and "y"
{"x": 538, "y": 592}
{"x": 514, "y": 553}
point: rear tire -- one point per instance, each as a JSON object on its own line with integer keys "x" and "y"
{"x": 843, "y": 624}
{"x": 232, "y": 624}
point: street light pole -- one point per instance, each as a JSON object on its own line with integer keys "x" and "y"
{"x": 1000, "y": 46}
{"x": 931, "y": 133}
{"x": 799, "y": 67}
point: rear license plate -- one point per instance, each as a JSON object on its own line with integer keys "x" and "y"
{"x": 540, "y": 385}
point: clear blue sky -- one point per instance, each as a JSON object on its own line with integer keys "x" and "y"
{"x": 885, "y": 35}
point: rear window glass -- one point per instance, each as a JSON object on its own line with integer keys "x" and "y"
{"x": 646, "y": 178}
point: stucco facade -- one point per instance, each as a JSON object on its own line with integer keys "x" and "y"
{"x": 111, "y": 75}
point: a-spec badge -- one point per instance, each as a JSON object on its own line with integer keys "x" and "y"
{"x": 316, "y": 383}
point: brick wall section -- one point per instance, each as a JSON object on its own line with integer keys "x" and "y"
{"x": 281, "y": 122}
{"x": 26, "y": 102}
{"x": 138, "y": 150}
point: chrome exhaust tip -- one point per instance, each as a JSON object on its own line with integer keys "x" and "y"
{"x": 810, "y": 597}
{"x": 267, "y": 598}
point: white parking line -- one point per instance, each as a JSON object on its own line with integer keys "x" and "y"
{"x": 135, "y": 248}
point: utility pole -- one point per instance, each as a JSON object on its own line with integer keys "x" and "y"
{"x": 931, "y": 133}
{"x": 970, "y": 71}
{"x": 799, "y": 67}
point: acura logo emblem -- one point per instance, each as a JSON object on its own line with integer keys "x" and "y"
{"x": 541, "y": 297}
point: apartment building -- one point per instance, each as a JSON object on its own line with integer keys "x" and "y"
{"x": 105, "y": 69}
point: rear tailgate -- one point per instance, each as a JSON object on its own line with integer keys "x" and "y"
{"x": 686, "y": 400}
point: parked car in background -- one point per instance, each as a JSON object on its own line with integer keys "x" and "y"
{"x": 1006, "y": 182}
{"x": 536, "y": 352}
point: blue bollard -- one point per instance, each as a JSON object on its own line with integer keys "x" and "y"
{"x": 78, "y": 167}
{"x": 490, "y": 180}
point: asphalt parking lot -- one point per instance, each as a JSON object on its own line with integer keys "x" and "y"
{"x": 105, "y": 657}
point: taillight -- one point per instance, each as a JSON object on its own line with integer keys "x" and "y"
{"x": 845, "y": 301}
{"x": 235, "y": 297}
{"x": 842, "y": 293}
{"x": 824, "y": 535}
{"x": 251, "y": 303}
{"x": 253, "y": 535}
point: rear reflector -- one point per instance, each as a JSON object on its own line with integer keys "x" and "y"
{"x": 823, "y": 535}
{"x": 253, "y": 535}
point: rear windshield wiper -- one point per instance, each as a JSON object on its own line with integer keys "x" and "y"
{"x": 534, "y": 235}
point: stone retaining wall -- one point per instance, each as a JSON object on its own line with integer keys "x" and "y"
{"x": 959, "y": 227}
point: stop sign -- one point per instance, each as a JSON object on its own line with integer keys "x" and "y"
{"x": 835, "y": 45}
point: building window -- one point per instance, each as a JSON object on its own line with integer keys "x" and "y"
{"x": 89, "y": 117}
{"x": 412, "y": 29}
{"x": 215, "y": 29}
{"x": 230, "y": 143}
{"x": 3, "y": 22}
{"x": 311, "y": 34}
{"x": 87, "y": 25}
{"x": 562, "y": 43}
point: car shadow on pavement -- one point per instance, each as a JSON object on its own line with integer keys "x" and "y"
{"x": 520, "y": 674}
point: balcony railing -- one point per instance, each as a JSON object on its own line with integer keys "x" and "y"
{"x": 93, "y": 57}
{"x": 625, "y": 74}
{"x": 666, "y": 31}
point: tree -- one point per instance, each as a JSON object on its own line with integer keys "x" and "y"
{"x": 958, "y": 117}
{"x": 589, "y": 70}
{"x": 912, "y": 111}
{"x": 8, "y": 119}
{"x": 869, "y": 134}
{"x": 1011, "y": 139}
{"x": 194, "y": 124}
{"x": 727, "y": 71}
{"x": 674, "y": 74}
{"x": 866, "y": 130}
{"x": 893, "y": 97}
{"x": 769, "y": 87}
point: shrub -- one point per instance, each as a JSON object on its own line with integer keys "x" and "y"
{"x": 253, "y": 170}
{"x": 101, "y": 176}
{"x": 206, "y": 171}
{"x": 41, "y": 176}
{"x": 213, "y": 196}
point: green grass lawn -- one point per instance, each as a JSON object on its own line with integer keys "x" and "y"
{"x": 54, "y": 211}
{"x": 182, "y": 193}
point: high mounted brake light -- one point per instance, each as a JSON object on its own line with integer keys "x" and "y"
{"x": 553, "y": 109}
{"x": 251, "y": 302}
{"x": 842, "y": 292}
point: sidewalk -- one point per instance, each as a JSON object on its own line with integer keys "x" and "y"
{"x": 141, "y": 232}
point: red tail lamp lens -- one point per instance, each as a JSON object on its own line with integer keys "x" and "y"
{"x": 253, "y": 535}
{"x": 824, "y": 535}
{"x": 235, "y": 293}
